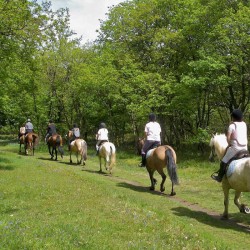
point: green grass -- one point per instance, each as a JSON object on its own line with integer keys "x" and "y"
{"x": 56, "y": 205}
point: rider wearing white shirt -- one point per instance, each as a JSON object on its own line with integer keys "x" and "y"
{"x": 237, "y": 141}
{"x": 102, "y": 135}
{"x": 153, "y": 137}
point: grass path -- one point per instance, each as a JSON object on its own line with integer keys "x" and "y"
{"x": 56, "y": 205}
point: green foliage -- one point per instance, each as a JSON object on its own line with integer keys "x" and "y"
{"x": 187, "y": 61}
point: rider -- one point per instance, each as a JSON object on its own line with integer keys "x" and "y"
{"x": 21, "y": 131}
{"x": 101, "y": 136}
{"x": 237, "y": 141}
{"x": 51, "y": 130}
{"x": 76, "y": 134}
{"x": 28, "y": 127}
{"x": 153, "y": 137}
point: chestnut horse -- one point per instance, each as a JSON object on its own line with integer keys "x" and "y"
{"x": 29, "y": 141}
{"x": 237, "y": 176}
{"x": 107, "y": 151}
{"x": 79, "y": 146}
{"x": 55, "y": 142}
{"x": 158, "y": 159}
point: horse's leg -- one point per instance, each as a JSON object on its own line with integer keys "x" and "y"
{"x": 70, "y": 156}
{"x": 162, "y": 188}
{"x": 242, "y": 207}
{"x": 226, "y": 202}
{"x": 152, "y": 179}
{"x": 78, "y": 162}
{"x": 100, "y": 162}
{"x": 33, "y": 148}
{"x": 56, "y": 153}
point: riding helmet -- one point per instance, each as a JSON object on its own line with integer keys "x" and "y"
{"x": 237, "y": 114}
{"x": 102, "y": 125}
{"x": 28, "y": 120}
{"x": 152, "y": 117}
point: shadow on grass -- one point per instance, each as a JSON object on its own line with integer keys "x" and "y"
{"x": 202, "y": 215}
{"x": 205, "y": 218}
{"x": 5, "y": 164}
{"x": 137, "y": 187}
{"x": 6, "y": 167}
{"x": 96, "y": 172}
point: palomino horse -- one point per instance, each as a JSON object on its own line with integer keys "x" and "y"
{"x": 107, "y": 151}
{"x": 79, "y": 146}
{"x": 29, "y": 141}
{"x": 237, "y": 176}
{"x": 157, "y": 160}
{"x": 21, "y": 141}
{"x": 55, "y": 142}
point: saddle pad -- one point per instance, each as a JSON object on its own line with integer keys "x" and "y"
{"x": 149, "y": 152}
{"x": 234, "y": 165}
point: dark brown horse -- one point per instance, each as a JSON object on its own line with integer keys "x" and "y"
{"x": 157, "y": 160}
{"x": 55, "y": 142}
{"x": 30, "y": 141}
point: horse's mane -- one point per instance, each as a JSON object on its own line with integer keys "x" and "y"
{"x": 220, "y": 139}
{"x": 219, "y": 142}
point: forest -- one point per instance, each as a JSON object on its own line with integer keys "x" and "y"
{"x": 185, "y": 60}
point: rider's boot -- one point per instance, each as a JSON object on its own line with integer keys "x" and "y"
{"x": 221, "y": 172}
{"x": 143, "y": 161}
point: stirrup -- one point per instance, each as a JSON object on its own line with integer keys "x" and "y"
{"x": 216, "y": 177}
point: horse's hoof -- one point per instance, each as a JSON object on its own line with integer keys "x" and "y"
{"x": 244, "y": 209}
{"x": 152, "y": 188}
{"x": 173, "y": 194}
{"x": 247, "y": 210}
{"x": 162, "y": 190}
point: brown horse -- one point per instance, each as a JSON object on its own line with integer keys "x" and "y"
{"x": 79, "y": 146}
{"x": 157, "y": 160}
{"x": 30, "y": 141}
{"x": 55, "y": 142}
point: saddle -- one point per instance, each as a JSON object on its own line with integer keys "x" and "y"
{"x": 241, "y": 154}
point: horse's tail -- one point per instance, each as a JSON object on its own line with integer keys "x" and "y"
{"x": 84, "y": 150}
{"x": 35, "y": 139}
{"x": 171, "y": 167}
{"x": 112, "y": 155}
{"x": 59, "y": 145}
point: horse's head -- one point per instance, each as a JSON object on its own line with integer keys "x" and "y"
{"x": 218, "y": 144}
{"x": 69, "y": 134}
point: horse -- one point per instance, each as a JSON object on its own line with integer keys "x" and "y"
{"x": 156, "y": 160}
{"x": 21, "y": 141}
{"x": 79, "y": 146}
{"x": 55, "y": 142}
{"x": 30, "y": 141}
{"x": 107, "y": 151}
{"x": 237, "y": 176}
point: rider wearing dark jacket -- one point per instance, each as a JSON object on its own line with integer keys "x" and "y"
{"x": 51, "y": 130}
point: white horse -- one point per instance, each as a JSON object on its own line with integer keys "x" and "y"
{"x": 237, "y": 176}
{"x": 107, "y": 151}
